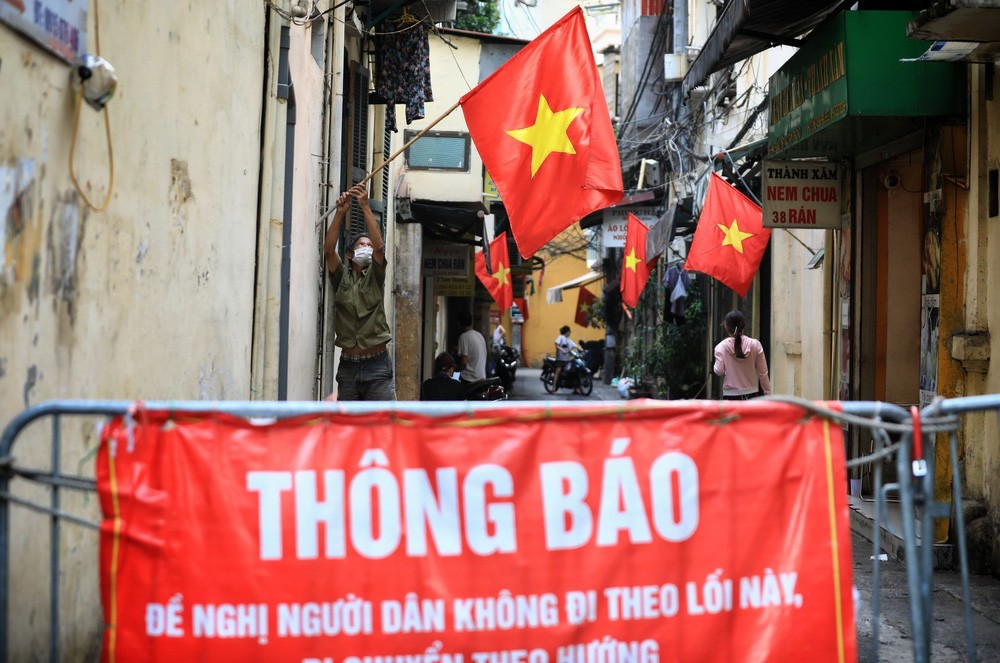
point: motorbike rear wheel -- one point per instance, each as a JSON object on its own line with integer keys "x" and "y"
{"x": 586, "y": 383}
{"x": 549, "y": 382}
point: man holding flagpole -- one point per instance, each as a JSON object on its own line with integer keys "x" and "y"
{"x": 365, "y": 372}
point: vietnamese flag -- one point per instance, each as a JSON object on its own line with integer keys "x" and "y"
{"x": 635, "y": 268}
{"x": 542, "y": 127}
{"x": 496, "y": 278}
{"x": 730, "y": 238}
{"x": 584, "y": 300}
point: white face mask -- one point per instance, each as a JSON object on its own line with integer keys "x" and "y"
{"x": 363, "y": 256}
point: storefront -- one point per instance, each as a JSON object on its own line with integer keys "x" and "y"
{"x": 855, "y": 95}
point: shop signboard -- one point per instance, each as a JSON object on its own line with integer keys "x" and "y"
{"x": 57, "y": 25}
{"x": 801, "y": 194}
{"x": 616, "y": 223}
{"x": 446, "y": 260}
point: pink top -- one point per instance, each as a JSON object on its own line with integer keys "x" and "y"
{"x": 741, "y": 375}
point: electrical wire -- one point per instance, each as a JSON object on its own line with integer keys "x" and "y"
{"x": 650, "y": 59}
{"x": 107, "y": 130}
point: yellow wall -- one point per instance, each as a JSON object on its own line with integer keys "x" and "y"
{"x": 544, "y": 321}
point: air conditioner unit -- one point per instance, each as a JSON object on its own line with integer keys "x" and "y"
{"x": 675, "y": 66}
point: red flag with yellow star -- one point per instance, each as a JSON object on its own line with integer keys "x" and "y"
{"x": 497, "y": 277}
{"x": 635, "y": 269}
{"x": 584, "y": 300}
{"x": 730, "y": 239}
{"x": 542, "y": 127}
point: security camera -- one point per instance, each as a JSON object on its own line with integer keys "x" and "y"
{"x": 891, "y": 180}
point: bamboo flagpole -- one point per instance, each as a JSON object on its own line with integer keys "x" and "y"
{"x": 422, "y": 132}
{"x": 409, "y": 142}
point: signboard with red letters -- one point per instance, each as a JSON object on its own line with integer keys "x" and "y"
{"x": 801, "y": 194}
{"x": 647, "y": 532}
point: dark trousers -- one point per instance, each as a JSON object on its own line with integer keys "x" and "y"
{"x": 370, "y": 379}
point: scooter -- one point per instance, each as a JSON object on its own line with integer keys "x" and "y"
{"x": 489, "y": 389}
{"x": 574, "y": 375}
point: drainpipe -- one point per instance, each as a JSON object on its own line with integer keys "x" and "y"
{"x": 333, "y": 110}
{"x": 264, "y": 352}
{"x": 286, "y": 93}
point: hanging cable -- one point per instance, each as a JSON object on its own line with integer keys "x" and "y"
{"x": 107, "y": 131}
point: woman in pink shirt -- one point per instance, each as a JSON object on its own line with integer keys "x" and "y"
{"x": 740, "y": 361}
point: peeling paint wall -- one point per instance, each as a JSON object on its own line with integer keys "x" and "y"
{"x": 306, "y": 266}
{"x": 152, "y": 298}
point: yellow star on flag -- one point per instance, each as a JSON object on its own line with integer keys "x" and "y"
{"x": 548, "y": 133}
{"x": 501, "y": 274}
{"x": 585, "y": 308}
{"x": 734, "y": 236}
{"x": 631, "y": 260}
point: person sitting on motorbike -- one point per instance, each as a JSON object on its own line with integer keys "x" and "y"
{"x": 564, "y": 351}
{"x": 499, "y": 337}
{"x": 443, "y": 386}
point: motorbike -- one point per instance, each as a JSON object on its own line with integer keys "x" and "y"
{"x": 575, "y": 374}
{"x": 505, "y": 363}
{"x": 489, "y": 389}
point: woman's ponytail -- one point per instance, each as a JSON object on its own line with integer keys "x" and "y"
{"x": 735, "y": 322}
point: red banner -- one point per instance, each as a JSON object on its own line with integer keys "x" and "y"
{"x": 688, "y": 531}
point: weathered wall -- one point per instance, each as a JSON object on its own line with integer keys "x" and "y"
{"x": 151, "y": 298}
{"x": 307, "y": 66}
{"x": 797, "y": 320}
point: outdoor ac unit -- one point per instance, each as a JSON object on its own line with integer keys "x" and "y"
{"x": 675, "y": 65}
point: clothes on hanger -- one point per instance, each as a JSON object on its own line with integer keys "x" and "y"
{"x": 676, "y": 282}
{"x": 404, "y": 71}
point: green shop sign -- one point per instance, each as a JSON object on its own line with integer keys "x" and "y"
{"x": 848, "y": 90}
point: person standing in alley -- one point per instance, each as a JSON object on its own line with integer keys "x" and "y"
{"x": 740, "y": 361}
{"x": 471, "y": 350}
{"x": 365, "y": 371}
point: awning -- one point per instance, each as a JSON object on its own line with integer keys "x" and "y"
{"x": 438, "y": 11}
{"x": 446, "y": 221}
{"x": 958, "y": 20}
{"x": 554, "y": 295}
{"x": 748, "y": 27}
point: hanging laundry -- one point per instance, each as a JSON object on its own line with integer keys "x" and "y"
{"x": 676, "y": 282}
{"x": 404, "y": 72}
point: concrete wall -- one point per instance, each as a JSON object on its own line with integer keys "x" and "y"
{"x": 981, "y": 437}
{"x": 453, "y": 73}
{"x": 307, "y": 270}
{"x": 796, "y": 309}
{"x": 152, "y": 298}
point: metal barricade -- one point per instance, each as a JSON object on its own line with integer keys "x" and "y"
{"x": 892, "y": 427}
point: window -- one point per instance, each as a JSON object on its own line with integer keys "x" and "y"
{"x": 438, "y": 150}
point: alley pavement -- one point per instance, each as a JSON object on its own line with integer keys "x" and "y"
{"x": 948, "y": 628}
{"x": 528, "y": 387}
{"x": 895, "y": 627}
